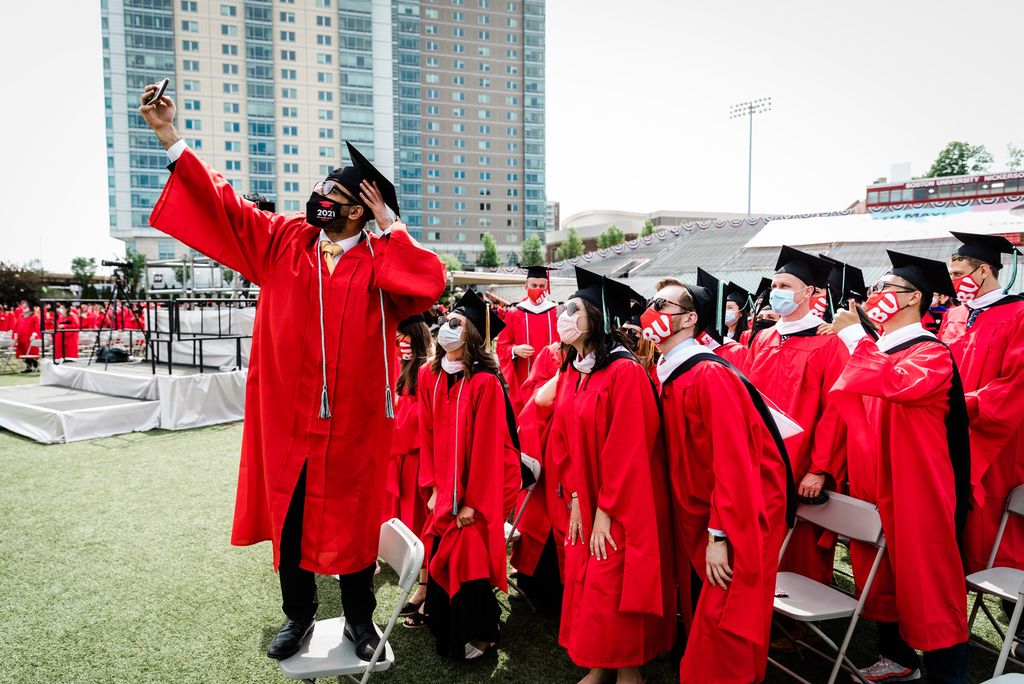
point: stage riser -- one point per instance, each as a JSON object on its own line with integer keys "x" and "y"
{"x": 53, "y": 415}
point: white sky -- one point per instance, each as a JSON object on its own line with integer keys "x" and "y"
{"x": 638, "y": 96}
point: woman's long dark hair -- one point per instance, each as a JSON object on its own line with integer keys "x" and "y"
{"x": 600, "y": 342}
{"x": 419, "y": 339}
{"x": 475, "y": 356}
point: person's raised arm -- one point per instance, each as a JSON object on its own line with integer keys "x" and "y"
{"x": 201, "y": 209}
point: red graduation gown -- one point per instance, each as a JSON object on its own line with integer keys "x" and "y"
{"x": 410, "y": 505}
{"x": 473, "y": 463}
{"x": 347, "y": 455}
{"x": 65, "y": 340}
{"x": 618, "y": 612}
{"x": 895, "y": 406}
{"x": 796, "y": 374}
{"x": 732, "y": 480}
{"x": 523, "y": 327}
{"x": 543, "y": 437}
{"x": 26, "y": 329}
{"x": 990, "y": 355}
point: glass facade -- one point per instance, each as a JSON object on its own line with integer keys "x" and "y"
{"x": 408, "y": 112}
{"x": 533, "y": 118}
{"x": 259, "y": 83}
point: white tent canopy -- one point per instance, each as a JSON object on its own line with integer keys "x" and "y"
{"x": 917, "y": 224}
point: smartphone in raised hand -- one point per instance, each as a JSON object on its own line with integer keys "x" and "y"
{"x": 159, "y": 92}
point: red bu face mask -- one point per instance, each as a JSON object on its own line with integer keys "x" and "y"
{"x": 881, "y": 306}
{"x": 536, "y": 294}
{"x": 818, "y": 305}
{"x": 966, "y": 288}
{"x": 404, "y": 350}
{"x": 656, "y": 326}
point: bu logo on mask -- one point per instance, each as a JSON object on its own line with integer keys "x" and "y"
{"x": 881, "y": 306}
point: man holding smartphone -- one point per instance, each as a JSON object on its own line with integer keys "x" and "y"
{"x": 318, "y": 405}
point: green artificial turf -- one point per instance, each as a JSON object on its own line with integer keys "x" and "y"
{"x": 115, "y": 566}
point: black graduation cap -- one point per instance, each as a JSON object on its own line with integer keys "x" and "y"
{"x": 362, "y": 170}
{"x": 711, "y": 312}
{"x": 807, "y": 267}
{"x": 735, "y": 293}
{"x": 537, "y": 272}
{"x": 482, "y": 316}
{"x": 986, "y": 248}
{"x": 637, "y": 305}
{"x": 845, "y": 282}
{"x": 610, "y": 296}
{"x": 927, "y": 275}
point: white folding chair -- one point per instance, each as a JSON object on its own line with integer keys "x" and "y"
{"x": 1001, "y": 582}
{"x": 1014, "y": 678}
{"x": 327, "y": 652}
{"x": 811, "y": 602}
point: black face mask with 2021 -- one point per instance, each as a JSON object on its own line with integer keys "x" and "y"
{"x": 322, "y": 212}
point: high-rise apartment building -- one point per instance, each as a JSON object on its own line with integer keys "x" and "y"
{"x": 446, "y": 96}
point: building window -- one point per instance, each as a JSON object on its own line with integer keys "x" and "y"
{"x": 327, "y": 134}
{"x": 190, "y": 65}
{"x": 326, "y": 151}
{"x": 458, "y": 64}
{"x": 433, "y": 220}
{"x": 291, "y": 167}
{"x": 232, "y": 146}
{"x": 228, "y": 29}
{"x": 230, "y": 50}
{"x": 193, "y": 125}
{"x": 323, "y": 40}
{"x": 189, "y": 6}
{"x": 290, "y": 112}
{"x": 321, "y": 58}
{"x": 289, "y": 74}
{"x": 485, "y": 66}
{"x": 165, "y": 249}
{"x": 325, "y": 96}
{"x": 291, "y": 205}
{"x": 433, "y": 235}
{"x": 228, "y": 11}
{"x": 291, "y": 186}
{"x": 232, "y": 108}
{"x": 290, "y": 93}
{"x": 459, "y": 159}
{"x": 288, "y": 17}
{"x": 232, "y": 127}
{"x": 458, "y": 112}
{"x": 288, "y": 36}
{"x": 192, "y": 105}
{"x": 230, "y": 69}
{"x": 459, "y": 205}
{"x": 323, "y": 21}
{"x": 233, "y": 165}
{"x": 190, "y": 26}
{"x": 190, "y": 45}
{"x": 324, "y": 77}
{"x": 288, "y": 55}
{"x": 433, "y": 204}
{"x": 290, "y": 149}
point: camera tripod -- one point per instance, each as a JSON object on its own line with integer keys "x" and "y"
{"x": 118, "y": 295}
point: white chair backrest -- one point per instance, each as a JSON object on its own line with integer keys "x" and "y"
{"x": 402, "y": 550}
{"x": 1015, "y": 502}
{"x": 846, "y": 516}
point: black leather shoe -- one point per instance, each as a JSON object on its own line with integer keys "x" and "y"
{"x": 289, "y": 639}
{"x": 365, "y": 638}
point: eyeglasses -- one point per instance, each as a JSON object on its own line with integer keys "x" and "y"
{"x": 453, "y": 323}
{"x": 326, "y": 187}
{"x": 892, "y": 287}
{"x": 658, "y": 303}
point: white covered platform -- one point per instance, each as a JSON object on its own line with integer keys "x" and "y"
{"x": 187, "y": 398}
{"x": 53, "y": 414}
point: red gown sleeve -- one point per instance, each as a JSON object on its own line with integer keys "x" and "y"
{"x": 736, "y": 507}
{"x": 411, "y": 276}
{"x": 202, "y": 210}
{"x": 997, "y": 407}
{"x": 873, "y": 373}
{"x": 425, "y": 399}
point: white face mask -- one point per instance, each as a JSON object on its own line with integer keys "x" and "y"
{"x": 451, "y": 367}
{"x": 449, "y": 339}
{"x": 731, "y": 317}
{"x": 586, "y": 364}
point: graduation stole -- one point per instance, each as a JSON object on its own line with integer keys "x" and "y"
{"x": 957, "y": 436}
{"x": 766, "y": 417}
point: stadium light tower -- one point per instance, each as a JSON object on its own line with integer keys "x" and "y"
{"x": 749, "y": 109}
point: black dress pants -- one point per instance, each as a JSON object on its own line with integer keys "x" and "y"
{"x": 298, "y": 586}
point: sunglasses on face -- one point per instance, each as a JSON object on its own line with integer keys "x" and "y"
{"x": 327, "y": 187}
{"x": 453, "y": 323}
{"x": 659, "y": 303}
{"x": 573, "y": 308}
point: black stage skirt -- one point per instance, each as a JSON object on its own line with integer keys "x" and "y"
{"x": 473, "y": 614}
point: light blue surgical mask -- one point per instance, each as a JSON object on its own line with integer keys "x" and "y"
{"x": 782, "y": 302}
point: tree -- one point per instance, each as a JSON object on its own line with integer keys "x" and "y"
{"x": 648, "y": 228}
{"x": 611, "y": 237}
{"x": 1016, "y": 155}
{"x": 18, "y": 282}
{"x": 960, "y": 158}
{"x": 533, "y": 252}
{"x": 450, "y": 262}
{"x": 84, "y": 270}
{"x": 227, "y": 275}
{"x": 571, "y": 247}
{"x": 489, "y": 257}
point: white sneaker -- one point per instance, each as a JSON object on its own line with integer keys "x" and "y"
{"x": 472, "y": 652}
{"x": 886, "y": 670}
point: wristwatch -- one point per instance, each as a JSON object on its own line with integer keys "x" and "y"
{"x": 712, "y": 537}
